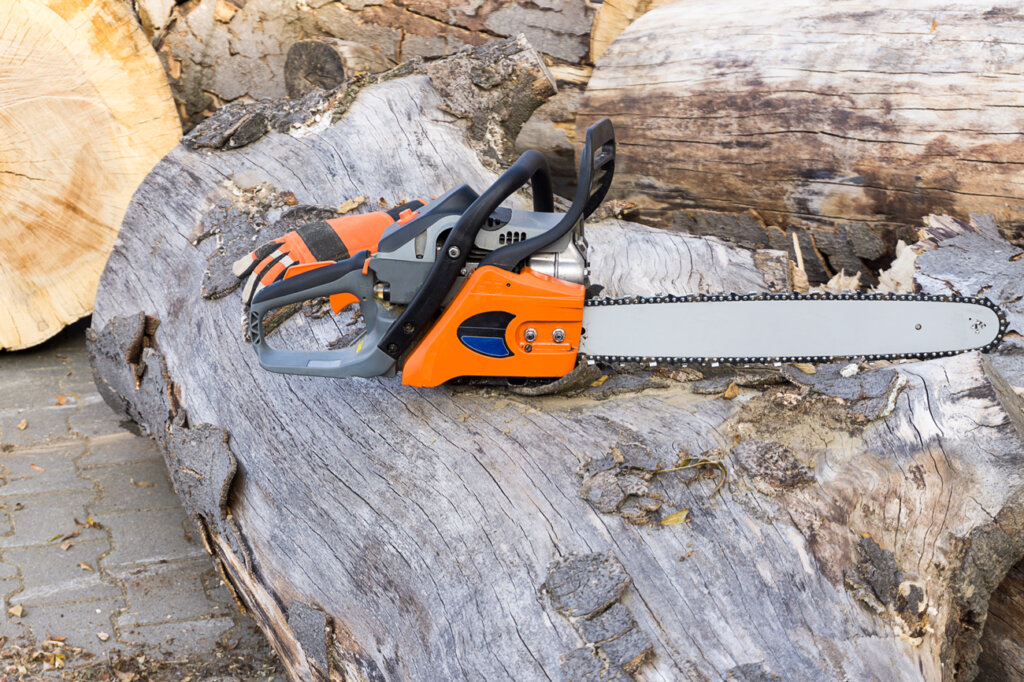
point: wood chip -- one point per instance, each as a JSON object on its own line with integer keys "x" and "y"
{"x": 675, "y": 518}
{"x": 224, "y": 11}
{"x": 37, "y": 467}
{"x": 142, "y": 484}
{"x": 66, "y": 545}
{"x": 731, "y": 392}
{"x": 17, "y": 610}
{"x": 85, "y": 567}
{"x": 351, "y": 204}
{"x": 61, "y": 400}
{"x": 22, "y": 425}
{"x": 102, "y": 636}
{"x": 599, "y": 381}
{"x": 805, "y": 367}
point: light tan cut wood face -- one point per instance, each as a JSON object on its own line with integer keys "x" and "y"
{"x": 85, "y": 113}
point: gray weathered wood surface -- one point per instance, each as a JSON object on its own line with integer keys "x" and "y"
{"x": 379, "y": 532}
{"x": 846, "y": 121}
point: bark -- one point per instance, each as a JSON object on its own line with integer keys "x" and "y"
{"x": 848, "y": 124}
{"x": 221, "y": 51}
{"x": 468, "y": 532}
{"x": 85, "y": 112}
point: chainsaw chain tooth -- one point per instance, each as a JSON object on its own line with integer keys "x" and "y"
{"x": 816, "y": 296}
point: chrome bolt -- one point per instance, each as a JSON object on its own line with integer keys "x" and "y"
{"x": 530, "y": 335}
{"x": 558, "y": 335}
{"x": 454, "y": 252}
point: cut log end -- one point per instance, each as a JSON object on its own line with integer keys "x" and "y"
{"x": 85, "y": 112}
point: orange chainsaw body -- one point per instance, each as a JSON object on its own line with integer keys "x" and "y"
{"x": 484, "y": 330}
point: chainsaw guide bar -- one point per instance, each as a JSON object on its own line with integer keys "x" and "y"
{"x": 989, "y": 332}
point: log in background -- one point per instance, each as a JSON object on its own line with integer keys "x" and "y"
{"x": 846, "y": 121}
{"x": 382, "y": 532}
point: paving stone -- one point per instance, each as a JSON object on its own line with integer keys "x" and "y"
{"x": 31, "y": 388}
{"x": 117, "y": 448}
{"x": 148, "y": 536}
{"x": 57, "y": 473}
{"x": 95, "y": 418}
{"x": 148, "y": 562}
{"x": 7, "y": 570}
{"x": 38, "y": 518}
{"x": 79, "y": 622}
{"x": 158, "y": 593}
{"x": 133, "y": 486}
{"x": 52, "y": 575}
{"x": 179, "y": 639}
{"x": 43, "y": 425}
{"x": 11, "y": 627}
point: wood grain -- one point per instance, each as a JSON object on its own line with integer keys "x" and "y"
{"x": 850, "y": 120}
{"x": 85, "y": 112}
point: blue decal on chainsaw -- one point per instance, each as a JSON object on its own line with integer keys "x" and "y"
{"x": 490, "y": 346}
{"x": 484, "y": 333}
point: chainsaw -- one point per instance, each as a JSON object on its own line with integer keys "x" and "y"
{"x": 461, "y": 286}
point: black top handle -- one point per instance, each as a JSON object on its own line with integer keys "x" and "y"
{"x": 530, "y": 167}
{"x": 597, "y": 166}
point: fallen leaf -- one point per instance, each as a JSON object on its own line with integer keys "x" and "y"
{"x": 600, "y": 381}
{"x": 805, "y": 367}
{"x": 102, "y": 636}
{"x": 58, "y": 536}
{"x": 37, "y": 467}
{"x": 675, "y": 518}
{"x": 17, "y": 610}
{"x": 66, "y": 545}
{"x": 935, "y": 25}
{"x": 61, "y": 399}
{"x": 142, "y": 484}
{"x": 22, "y": 425}
{"x": 61, "y": 639}
{"x": 351, "y": 204}
{"x": 1016, "y": 257}
{"x": 74, "y": 395}
{"x": 731, "y": 392}
{"x": 85, "y": 567}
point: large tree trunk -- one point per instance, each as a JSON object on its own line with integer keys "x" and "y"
{"x": 851, "y": 121}
{"x": 85, "y": 113}
{"x": 468, "y": 532}
{"x": 221, "y": 51}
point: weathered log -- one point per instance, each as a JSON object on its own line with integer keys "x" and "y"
{"x": 850, "y": 122}
{"x": 221, "y": 51}
{"x": 85, "y": 112}
{"x": 1002, "y": 655}
{"x": 381, "y": 532}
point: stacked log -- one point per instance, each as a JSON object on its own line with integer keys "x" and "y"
{"x": 840, "y": 125}
{"x": 697, "y": 523}
{"x": 221, "y": 51}
{"x": 85, "y": 113}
